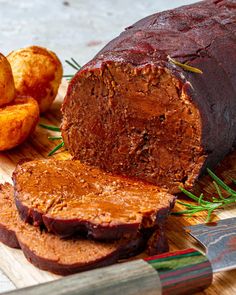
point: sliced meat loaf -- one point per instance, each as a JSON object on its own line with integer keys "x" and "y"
{"x": 69, "y": 197}
{"x": 56, "y": 255}
{"x": 132, "y": 111}
{"x": 8, "y": 217}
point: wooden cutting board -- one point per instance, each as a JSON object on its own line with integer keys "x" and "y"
{"x": 22, "y": 273}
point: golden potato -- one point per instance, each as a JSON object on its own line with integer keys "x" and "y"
{"x": 37, "y": 73}
{"x": 17, "y": 121}
{"x": 7, "y": 87}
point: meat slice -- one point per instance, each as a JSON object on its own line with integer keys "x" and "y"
{"x": 69, "y": 197}
{"x": 157, "y": 243}
{"x": 8, "y": 217}
{"x": 132, "y": 111}
{"x": 60, "y": 256}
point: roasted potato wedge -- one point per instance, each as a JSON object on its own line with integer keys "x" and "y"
{"x": 37, "y": 73}
{"x": 17, "y": 121}
{"x": 7, "y": 87}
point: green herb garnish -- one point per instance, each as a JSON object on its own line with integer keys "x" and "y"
{"x": 74, "y": 64}
{"x": 50, "y": 127}
{"x": 56, "y": 148}
{"x": 208, "y": 206}
{"x": 57, "y": 129}
{"x": 54, "y": 137}
{"x": 185, "y": 66}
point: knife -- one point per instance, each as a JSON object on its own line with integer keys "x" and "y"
{"x": 180, "y": 272}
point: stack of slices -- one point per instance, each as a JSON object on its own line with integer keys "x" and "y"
{"x": 68, "y": 217}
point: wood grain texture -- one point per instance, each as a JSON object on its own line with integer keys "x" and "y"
{"x": 22, "y": 273}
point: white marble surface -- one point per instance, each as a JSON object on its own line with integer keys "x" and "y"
{"x": 72, "y": 28}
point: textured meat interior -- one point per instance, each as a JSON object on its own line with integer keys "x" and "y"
{"x": 68, "y": 196}
{"x": 134, "y": 121}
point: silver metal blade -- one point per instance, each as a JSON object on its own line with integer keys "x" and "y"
{"x": 219, "y": 240}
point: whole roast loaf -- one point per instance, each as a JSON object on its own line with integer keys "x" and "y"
{"x": 133, "y": 111}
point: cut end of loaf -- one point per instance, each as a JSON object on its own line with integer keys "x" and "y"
{"x": 136, "y": 121}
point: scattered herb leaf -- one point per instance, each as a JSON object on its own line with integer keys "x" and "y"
{"x": 50, "y": 127}
{"x": 208, "y": 206}
{"x": 56, "y": 148}
{"x": 185, "y": 66}
{"x": 54, "y": 137}
{"x": 77, "y": 66}
{"x": 74, "y": 64}
{"x": 57, "y": 129}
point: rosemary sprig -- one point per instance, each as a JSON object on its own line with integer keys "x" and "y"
{"x": 185, "y": 66}
{"x": 50, "y": 127}
{"x": 54, "y": 137}
{"x": 208, "y": 206}
{"x": 56, "y": 148}
{"x": 57, "y": 129}
{"x": 74, "y": 64}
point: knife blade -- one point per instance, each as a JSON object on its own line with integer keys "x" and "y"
{"x": 180, "y": 272}
{"x": 219, "y": 241}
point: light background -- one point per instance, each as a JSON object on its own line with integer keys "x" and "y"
{"x": 78, "y": 29}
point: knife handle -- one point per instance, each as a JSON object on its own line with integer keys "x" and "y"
{"x": 180, "y": 272}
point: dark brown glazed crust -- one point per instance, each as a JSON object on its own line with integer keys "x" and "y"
{"x": 130, "y": 249}
{"x": 158, "y": 243}
{"x": 62, "y": 269}
{"x": 7, "y": 234}
{"x": 67, "y": 228}
{"x": 204, "y": 34}
{"x": 50, "y": 200}
{"x": 8, "y": 237}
